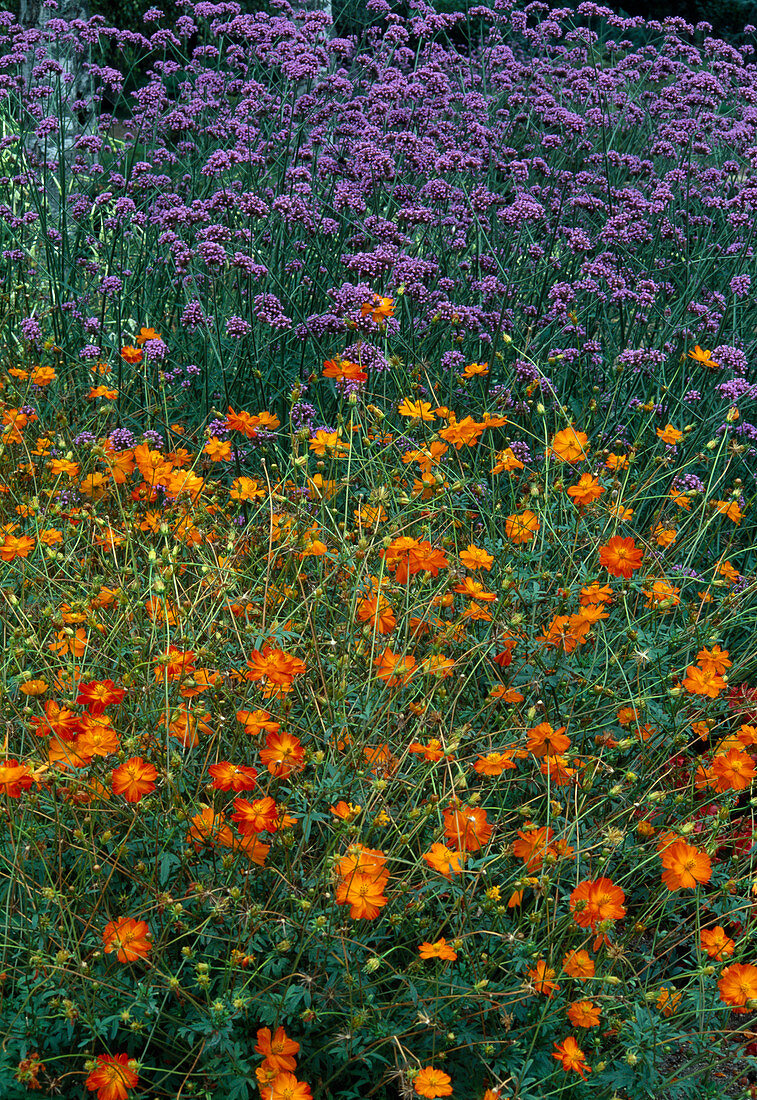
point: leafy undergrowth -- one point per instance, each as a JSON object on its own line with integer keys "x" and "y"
{"x": 306, "y": 731}
{"x": 379, "y": 678}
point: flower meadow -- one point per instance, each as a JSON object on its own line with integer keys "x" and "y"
{"x": 377, "y": 558}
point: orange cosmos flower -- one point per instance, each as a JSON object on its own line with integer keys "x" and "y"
{"x": 521, "y": 528}
{"x": 595, "y": 593}
{"x": 571, "y": 1056}
{"x": 278, "y": 1050}
{"x": 716, "y": 943}
{"x": 258, "y": 816}
{"x": 507, "y": 461}
{"x": 545, "y": 741}
{"x": 586, "y": 491}
{"x": 344, "y": 369}
{"x": 730, "y": 509}
{"x": 616, "y": 462}
{"x": 533, "y": 844}
{"x": 364, "y": 893}
{"x": 33, "y": 687}
{"x": 578, "y": 964}
{"x": 669, "y": 435}
{"x": 584, "y": 1014}
{"x": 446, "y": 861}
{"x": 255, "y": 721}
{"x": 621, "y": 556}
{"x": 668, "y": 1000}
{"x": 416, "y": 410}
{"x": 113, "y": 1076}
{"x": 541, "y": 978}
{"x": 13, "y": 547}
{"x": 466, "y": 828}
{"x": 476, "y": 558}
{"x": 345, "y": 811}
{"x": 465, "y": 433}
{"x": 232, "y": 777}
{"x": 379, "y": 308}
{"x": 96, "y": 695}
{"x": 134, "y": 779}
{"x": 283, "y": 754}
{"x": 430, "y": 1082}
{"x": 699, "y": 355}
{"x": 698, "y": 682}
{"x": 597, "y": 900}
{"x": 394, "y": 668}
{"x": 131, "y": 354}
{"x": 285, "y": 1086}
{"x": 737, "y": 985}
{"x": 146, "y": 334}
{"x": 274, "y": 667}
{"x": 494, "y": 763}
{"x": 715, "y": 661}
{"x": 358, "y": 858}
{"x": 131, "y": 939}
{"x": 662, "y": 593}
{"x": 685, "y": 866}
{"x": 440, "y": 949}
{"x": 569, "y": 445}
{"x": 734, "y": 770}
{"x": 15, "y": 778}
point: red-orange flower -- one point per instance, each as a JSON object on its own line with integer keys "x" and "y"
{"x": 364, "y": 893}
{"x": 283, "y": 754}
{"x": 716, "y": 943}
{"x": 569, "y": 445}
{"x": 737, "y": 985}
{"x": 597, "y": 900}
{"x": 258, "y": 816}
{"x": 685, "y": 866}
{"x": 571, "y": 1056}
{"x": 232, "y": 777}
{"x": 430, "y": 1082}
{"x": 134, "y": 779}
{"x": 112, "y": 1077}
{"x": 14, "y": 778}
{"x": 278, "y": 1050}
{"x": 466, "y": 828}
{"x": 584, "y": 1014}
{"x": 130, "y": 938}
{"x": 621, "y": 556}
{"x": 440, "y": 949}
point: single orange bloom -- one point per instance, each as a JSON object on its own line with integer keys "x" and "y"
{"x": 131, "y": 939}
{"x": 533, "y": 844}
{"x": 131, "y": 354}
{"x": 13, "y": 547}
{"x": 15, "y": 778}
{"x": 621, "y": 557}
{"x": 545, "y": 741}
{"x": 379, "y": 308}
{"x": 521, "y": 528}
{"x": 737, "y": 985}
{"x": 541, "y": 978}
{"x": 283, "y": 754}
{"x": 395, "y": 668}
{"x": 569, "y": 445}
{"x": 595, "y": 593}
{"x": 112, "y": 1077}
{"x": 285, "y": 1086}
{"x": 364, "y": 893}
{"x": 278, "y": 1050}
{"x": 258, "y": 816}
{"x": 571, "y": 1056}
{"x": 685, "y": 866}
{"x": 734, "y": 770}
{"x": 467, "y": 828}
{"x": 232, "y": 777}
{"x": 146, "y": 334}
{"x": 494, "y": 763}
{"x": 698, "y": 682}
{"x": 440, "y": 949}
{"x": 669, "y": 435}
{"x": 668, "y": 1000}
{"x": 578, "y": 964}
{"x": 357, "y": 858}
{"x": 476, "y": 558}
{"x": 714, "y": 661}
{"x": 465, "y": 433}
{"x": 345, "y": 811}
{"x": 430, "y": 1082}
{"x": 716, "y": 943}
{"x": 584, "y": 1014}
{"x": 134, "y": 779}
{"x": 597, "y": 900}
{"x": 703, "y": 357}
{"x": 586, "y": 491}
{"x": 446, "y": 861}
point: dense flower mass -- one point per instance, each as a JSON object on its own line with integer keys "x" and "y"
{"x": 377, "y": 477}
